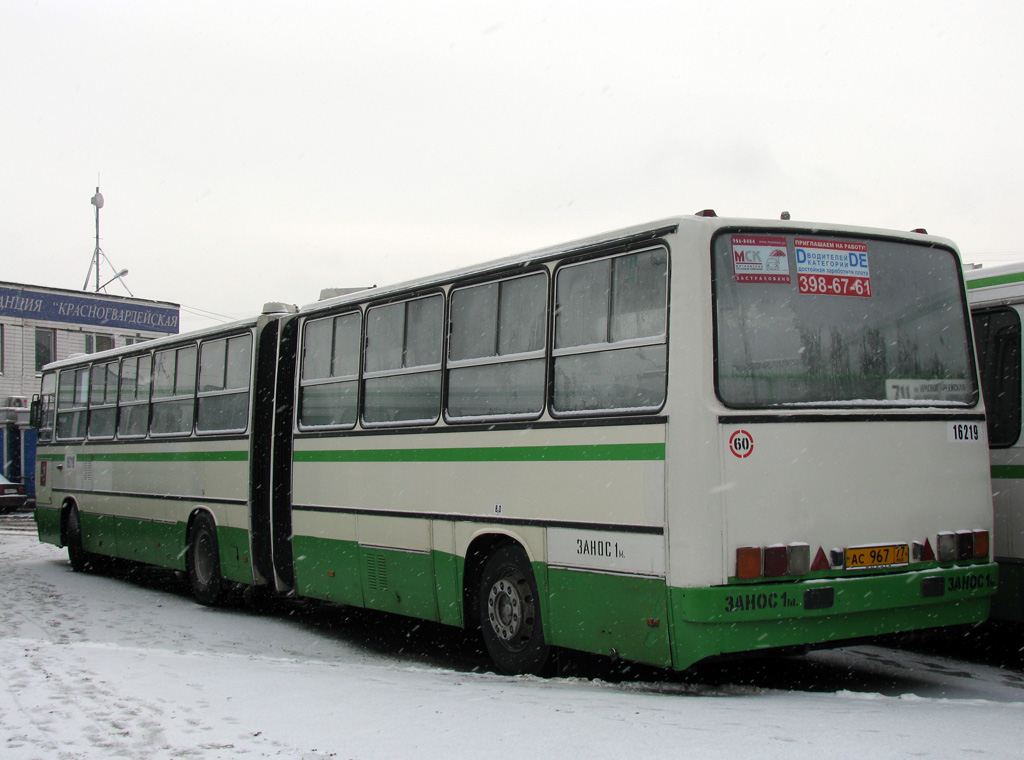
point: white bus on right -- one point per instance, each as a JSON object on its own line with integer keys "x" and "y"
{"x": 996, "y": 298}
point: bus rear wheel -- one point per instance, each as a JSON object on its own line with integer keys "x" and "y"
{"x": 510, "y": 619}
{"x": 203, "y": 562}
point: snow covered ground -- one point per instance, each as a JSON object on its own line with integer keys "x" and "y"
{"x": 111, "y": 666}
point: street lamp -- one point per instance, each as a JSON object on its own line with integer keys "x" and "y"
{"x": 117, "y": 276}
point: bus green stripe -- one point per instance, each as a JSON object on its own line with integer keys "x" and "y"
{"x": 987, "y": 282}
{"x": 582, "y": 453}
{"x": 167, "y": 456}
{"x": 1007, "y": 471}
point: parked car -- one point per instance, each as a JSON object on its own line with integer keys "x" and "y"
{"x": 12, "y": 495}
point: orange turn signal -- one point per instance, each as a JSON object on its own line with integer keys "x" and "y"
{"x": 748, "y": 562}
{"x": 981, "y": 544}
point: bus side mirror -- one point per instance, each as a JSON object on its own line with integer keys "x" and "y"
{"x": 35, "y": 414}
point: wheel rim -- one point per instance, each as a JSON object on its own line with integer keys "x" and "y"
{"x": 510, "y": 610}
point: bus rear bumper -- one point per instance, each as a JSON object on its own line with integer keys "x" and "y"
{"x": 822, "y": 611}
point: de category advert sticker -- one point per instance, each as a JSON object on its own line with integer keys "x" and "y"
{"x": 832, "y": 267}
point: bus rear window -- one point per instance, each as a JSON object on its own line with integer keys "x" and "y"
{"x": 818, "y": 320}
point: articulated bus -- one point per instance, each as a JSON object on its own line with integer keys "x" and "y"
{"x": 996, "y": 297}
{"x": 691, "y": 438}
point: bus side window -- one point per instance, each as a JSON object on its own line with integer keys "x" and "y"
{"x": 103, "y": 400}
{"x": 496, "y": 349}
{"x": 47, "y": 399}
{"x": 133, "y": 399}
{"x": 329, "y": 383}
{"x": 224, "y": 378}
{"x": 72, "y": 403}
{"x": 174, "y": 388}
{"x": 998, "y": 339}
{"x": 402, "y": 371}
{"x": 611, "y": 334}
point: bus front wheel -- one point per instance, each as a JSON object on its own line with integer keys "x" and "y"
{"x": 510, "y": 619}
{"x": 203, "y": 561}
{"x": 81, "y": 560}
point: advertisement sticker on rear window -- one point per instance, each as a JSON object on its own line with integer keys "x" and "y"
{"x": 760, "y": 258}
{"x": 832, "y": 267}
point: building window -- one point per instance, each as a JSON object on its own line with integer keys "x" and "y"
{"x": 46, "y": 346}
{"x": 96, "y": 343}
{"x": 2, "y": 342}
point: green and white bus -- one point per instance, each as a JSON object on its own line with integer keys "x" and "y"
{"x": 690, "y": 438}
{"x": 996, "y": 297}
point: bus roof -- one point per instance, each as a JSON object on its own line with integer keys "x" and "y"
{"x": 697, "y": 224}
{"x": 703, "y": 224}
{"x": 998, "y": 284}
{"x": 149, "y": 345}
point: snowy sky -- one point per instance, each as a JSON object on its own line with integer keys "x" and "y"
{"x": 256, "y": 151}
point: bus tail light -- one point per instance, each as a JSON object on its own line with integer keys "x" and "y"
{"x": 776, "y": 560}
{"x": 799, "y": 559}
{"x": 964, "y": 545}
{"x": 748, "y": 562}
{"x": 946, "y": 543}
{"x": 773, "y": 561}
{"x": 981, "y": 544}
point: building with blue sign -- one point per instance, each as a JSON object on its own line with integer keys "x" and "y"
{"x": 39, "y": 325}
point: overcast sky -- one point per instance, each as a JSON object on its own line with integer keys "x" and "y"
{"x": 258, "y": 151}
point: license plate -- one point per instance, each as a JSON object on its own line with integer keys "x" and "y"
{"x": 891, "y": 555}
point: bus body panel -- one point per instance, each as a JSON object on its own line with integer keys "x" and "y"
{"x": 859, "y": 464}
{"x": 994, "y": 290}
{"x": 376, "y": 507}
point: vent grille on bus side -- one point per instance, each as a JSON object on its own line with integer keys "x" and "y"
{"x": 376, "y": 571}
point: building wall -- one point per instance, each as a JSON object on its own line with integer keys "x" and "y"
{"x": 19, "y": 377}
{"x": 77, "y": 318}
{"x": 80, "y": 322}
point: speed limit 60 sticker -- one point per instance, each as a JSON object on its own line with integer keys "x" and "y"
{"x": 741, "y": 444}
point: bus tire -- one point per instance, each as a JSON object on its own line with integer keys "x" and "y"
{"x": 81, "y": 560}
{"x": 510, "y": 619}
{"x": 203, "y": 562}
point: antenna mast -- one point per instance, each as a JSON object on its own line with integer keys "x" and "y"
{"x": 97, "y": 201}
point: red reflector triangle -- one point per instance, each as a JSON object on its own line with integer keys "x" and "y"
{"x": 928, "y": 555}
{"x": 820, "y": 561}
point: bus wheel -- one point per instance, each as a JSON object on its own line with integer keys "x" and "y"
{"x": 510, "y": 613}
{"x": 81, "y": 560}
{"x": 203, "y": 562}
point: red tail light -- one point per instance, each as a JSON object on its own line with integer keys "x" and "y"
{"x": 775, "y": 561}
